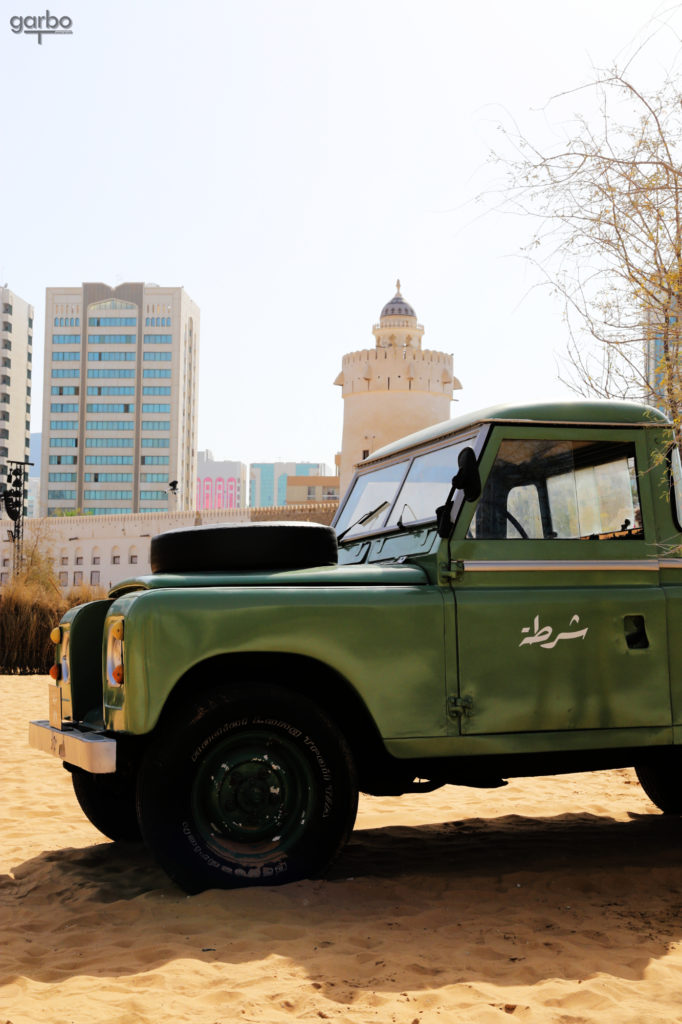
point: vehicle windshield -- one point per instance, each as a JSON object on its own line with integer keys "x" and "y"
{"x": 427, "y": 484}
{"x": 371, "y": 491}
{"x": 405, "y": 492}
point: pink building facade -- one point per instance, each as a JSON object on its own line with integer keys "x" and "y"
{"x": 220, "y": 485}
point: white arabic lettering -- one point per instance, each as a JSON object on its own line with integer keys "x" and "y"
{"x": 543, "y": 635}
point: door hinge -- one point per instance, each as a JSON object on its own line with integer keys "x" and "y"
{"x": 458, "y": 706}
{"x": 451, "y": 571}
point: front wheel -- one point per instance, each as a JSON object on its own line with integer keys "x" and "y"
{"x": 108, "y": 801}
{"x": 248, "y": 785}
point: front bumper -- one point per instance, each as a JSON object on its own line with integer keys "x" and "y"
{"x": 87, "y": 750}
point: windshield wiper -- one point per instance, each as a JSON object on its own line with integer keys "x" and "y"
{"x": 400, "y": 522}
{"x": 366, "y": 518}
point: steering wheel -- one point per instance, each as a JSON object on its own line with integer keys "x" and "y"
{"x": 516, "y": 524}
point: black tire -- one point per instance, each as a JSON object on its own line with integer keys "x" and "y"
{"x": 661, "y": 780}
{"x": 250, "y": 785}
{"x": 270, "y": 545}
{"x": 109, "y": 802}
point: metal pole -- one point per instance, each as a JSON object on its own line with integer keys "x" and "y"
{"x": 14, "y": 498}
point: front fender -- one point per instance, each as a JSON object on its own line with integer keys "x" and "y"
{"x": 388, "y": 642}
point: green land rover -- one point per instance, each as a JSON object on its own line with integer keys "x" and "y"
{"x": 500, "y": 596}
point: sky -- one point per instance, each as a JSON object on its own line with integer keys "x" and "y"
{"x": 285, "y": 163}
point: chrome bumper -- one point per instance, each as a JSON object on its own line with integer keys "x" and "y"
{"x": 87, "y": 750}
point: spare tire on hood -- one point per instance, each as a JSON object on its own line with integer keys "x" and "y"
{"x": 268, "y": 545}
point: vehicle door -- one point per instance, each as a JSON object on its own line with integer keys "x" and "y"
{"x": 560, "y": 616}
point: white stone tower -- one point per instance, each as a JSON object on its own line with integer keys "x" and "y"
{"x": 393, "y": 389}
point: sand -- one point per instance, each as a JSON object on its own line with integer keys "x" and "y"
{"x": 549, "y": 900}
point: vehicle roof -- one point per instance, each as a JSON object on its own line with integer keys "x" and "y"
{"x": 555, "y": 413}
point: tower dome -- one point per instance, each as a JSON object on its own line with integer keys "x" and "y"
{"x": 397, "y": 306}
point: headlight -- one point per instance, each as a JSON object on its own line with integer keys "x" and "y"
{"x": 60, "y": 637}
{"x": 115, "y": 652}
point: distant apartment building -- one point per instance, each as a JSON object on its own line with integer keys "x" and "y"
{"x": 220, "y": 484}
{"x": 16, "y": 353}
{"x": 120, "y": 400}
{"x": 33, "y": 508}
{"x": 268, "y": 480}
{"x": 312, "y": 488}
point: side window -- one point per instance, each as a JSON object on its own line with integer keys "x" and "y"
{"x": 676, "y": 469}
{"x": 548, "y": 490}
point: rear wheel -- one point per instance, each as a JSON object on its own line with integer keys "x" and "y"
{"x": 661, "y": 780}
{"x": 251, "y": 785}
{"x": 108, "y": 801}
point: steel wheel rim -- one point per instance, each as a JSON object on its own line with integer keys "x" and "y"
{"x": 253, "y": 796}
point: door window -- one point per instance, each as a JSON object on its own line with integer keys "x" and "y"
{"x": 547, "y": 490}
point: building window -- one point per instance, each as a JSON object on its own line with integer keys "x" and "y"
{"x": 77, "y": 579}
{"x": 115, "y": 371}
{"x": 79, "y": 559}
{"x": 133, "y": 559}
{"x": 109, "y": 442}
{"x": 110, "y": 495}
{"x": 109, "y": 425}
{"x": 65, "y": 560}
{"x": 94, "y": 578}
{"x": 111, "y": 339}
{"x": 115, "y": 559}
{"x": 107, "y": 357}
{"x": 95, "y": 559}
{"x": 64, "y": 579}
{"x": 112, "y": 321}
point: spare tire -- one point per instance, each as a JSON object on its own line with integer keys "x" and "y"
{"x": 269, "y": 545}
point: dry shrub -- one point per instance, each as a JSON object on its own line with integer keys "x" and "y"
{"x": 28, "y": 612}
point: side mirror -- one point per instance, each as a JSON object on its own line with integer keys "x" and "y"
{"x": 467, "y": 480}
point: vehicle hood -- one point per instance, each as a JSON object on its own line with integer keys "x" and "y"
{"x": 377, "y": 575}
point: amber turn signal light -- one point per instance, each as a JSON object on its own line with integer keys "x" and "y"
{"x": 117, "y": 675}
{"x": 54, "y": 672}
{"x": 56, "y": 635}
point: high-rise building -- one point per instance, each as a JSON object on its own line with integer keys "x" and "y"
{"x": 220, "y": 483}
{"x": 16, "y": 353}
{"x": 393, "y": 389}
{"x": 268, "y": 480}
{"x": 120, "y": 399}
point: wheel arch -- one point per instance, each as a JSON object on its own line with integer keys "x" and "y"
{"x": 319, "y": 682}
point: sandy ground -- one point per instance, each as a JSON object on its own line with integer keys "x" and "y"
{"x": 550, "y": 900}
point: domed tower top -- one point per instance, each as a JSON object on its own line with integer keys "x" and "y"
{"x": 397, "y": 305}
{"x": 398, "y": 327}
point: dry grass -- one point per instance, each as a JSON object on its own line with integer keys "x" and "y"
{"x": 28, "y": 611}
